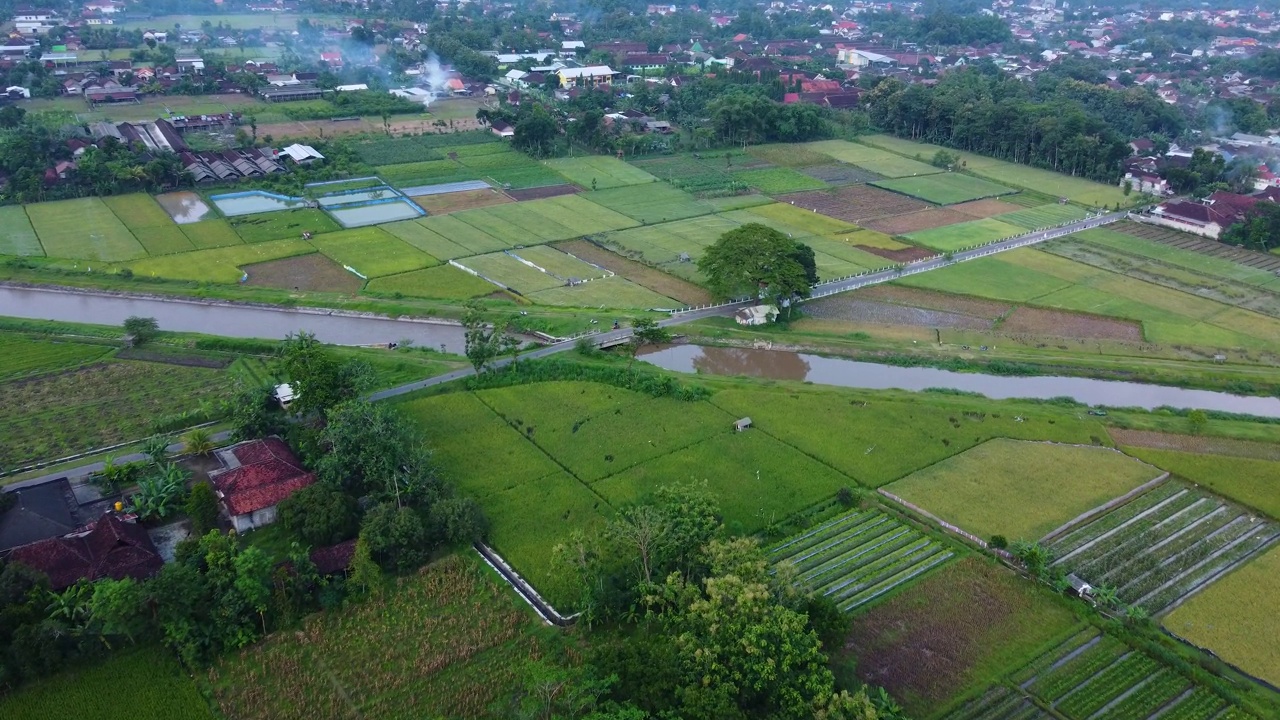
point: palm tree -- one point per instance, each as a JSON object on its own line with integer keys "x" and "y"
{"x": 198, "y": 442}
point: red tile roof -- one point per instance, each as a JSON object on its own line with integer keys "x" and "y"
{"x": 268, "y": 473}
{"x": 331, "y": 559}
{"x": 112, "y": 548}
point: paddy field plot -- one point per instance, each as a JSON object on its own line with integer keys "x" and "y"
{"x": 17, "y": 237}
{"x": 917, "y": 221}
{"x": 599, "y": 172}
{"x": 282, "y": 225}
{"x": 1019, "y": 489}
{"x": 650, "y": 204}
{"x": 989, "y": 207}
{"x": 840, "y": 174}
{"x": 859, "y": 557}
{"x": 540, "y": 221}
{"x": 799, "y": 220}
{"x": 445, "y": 203}
{"x": 1085, "y": 192}
{"x": 1163, "y": 545}
{"x": 1141, "y": 248}
{"x": 997, "y": 277}
{"x": 447, "y": 640}
{"x": 944, "y": 188}
{"x": 560, "y": 264}
{"x": 312, "y": 273}
{"x": 688, "y": 173}
{"x": 775, "y": 180}
{"x": 664, "y": 284}
{"x": 756, "y": 479}
{"x": 143, "y": 683}
{"x": 1043, "y": 216}
{"x": 371, "y": 251}
{"x": 511, "y": 273}
{"x": 855, "y": 203}
{"x": 83, "y": 229}
{"x": 1238, "y": 617}
{"x": 957, "y": 630}
{"x": 877, "y": 441}
{"x": 1250, "y": 481}
{"x": 219, "y": 265}
{"x": 427, "y": 172}
{"x": 610, "y": 292}
{"x": 21, "y": 355}
{"x": 663, "y": 244}
{"x": 964, "y": 235}
{"x": 793, "y": 155}
{"x": 842, "y": 150}
{"x": 451, "y": 229}
{"x": 428, "y": 241}
{"x": 138, "y": 210}
{"x": 209, "y": 234}
{"x": 164, "y": 239}
{"x": 443, "y": 282}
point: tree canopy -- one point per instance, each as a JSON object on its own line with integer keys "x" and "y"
{"x": 757, "y": 260}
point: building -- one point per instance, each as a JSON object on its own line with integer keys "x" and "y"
{"x": 1145, "y": 182}
{"x": 593, "y": 76}
{"x": 257, "y": 475}
{"x": 756, "y": 315}
{"x": 301, "y": 154}
{"x": 1207, "y": 218}
{"x": 112, "y": 547}
{"x": 502, "y": 129}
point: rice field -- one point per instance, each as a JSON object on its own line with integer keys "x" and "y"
{"x": 1163, "y": 545}
{"x": 209, "y": 234}
{"x": 689, "y": 174}
{"x": 219, "y": 265}
{"x": 502, "y": 268}
{"x": 611, "y": 292}
{"x": 599, "y": 172}
{"x": 965, "y": 235}
{"x": 650, "y": 204}
{"x": 777, "y": 180}
{"x": 445, "y": 231}
{"x": 443, "y": 282}
{"x": 559, "y": 264}
{"x": 371, "y": 251}
{"x": 1043, "y": 216}
{"x": 21, "y": 355}
{"x": 83, "y": 229}
{"x": 944, "y": 188}
{"x": 17, "y": 237}
{"x": 282, "y": 225}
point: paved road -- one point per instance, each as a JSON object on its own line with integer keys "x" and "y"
{"x": 820, "y": 290}
{"x": 605, "y": 338}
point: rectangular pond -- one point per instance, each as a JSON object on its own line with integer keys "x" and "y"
{"x": 356, "y": 197}
{"x": 374, "y": 213}
{"x": 184, "y": 207}
{"x": 253, "y": 201}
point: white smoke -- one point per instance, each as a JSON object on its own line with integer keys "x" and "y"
{"x": 434, "y": 78}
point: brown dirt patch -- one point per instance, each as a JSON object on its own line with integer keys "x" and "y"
{"x": 1195, "y": 444}
{"x": 934, "y": 301}
{"x": 639, "y": 273}
{"x": 1056, "y": 323}
{"x": 330, "y": 128}
{"x": 905, "y": 255}
{"x": 985, "y": 208}
{"x": 444, "y": 203}
{"x": 313, "y": 272}
{"x": 851, "y": 307}
{"x": 855, "y": 203}
{"x": 916, "y": 221}
{"x": 542, "y": 192}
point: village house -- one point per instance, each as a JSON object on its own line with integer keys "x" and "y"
{"x": 256, "y": 476}
{"x": 114, "y": 546}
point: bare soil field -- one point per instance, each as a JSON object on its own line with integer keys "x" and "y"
{"x": 855, "y": 203}
{"x": 931, "y": 300}
{"x": 841, "y": 174}
{"x": 639, "y": 273}
{"x": 1187, "y": 241}
{"x": 445, "y": 203}
{"x": 313, "y": 272}
{"x": 417, "y": 125}
{"x": 538, "y": 193}
{"x": 985, "y": 208}
{"x": 1056, "y": 323}
{"x": 916, "y": 221}
{"x": 1198, "y": 444}
{"x": 846, "y": 306}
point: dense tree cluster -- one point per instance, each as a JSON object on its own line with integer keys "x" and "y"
{"x": 755, "y": 260}
{"x": 1260, "y": 230}
{"x": 955, "y": 23}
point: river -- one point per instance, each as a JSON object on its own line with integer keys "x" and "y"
{"x": 785, "y": 365}
{"x": 226, "y": 319}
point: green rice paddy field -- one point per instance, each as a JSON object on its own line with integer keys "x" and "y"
{"x": 944, "y": 188}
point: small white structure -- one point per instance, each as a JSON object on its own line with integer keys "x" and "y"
{"x": 756, "y": 315}
{"x": 301, "y": 154}
{"x": 743, "y": 424}
{"x": 284, "y": 395}
{"x": 1079, "y": 587}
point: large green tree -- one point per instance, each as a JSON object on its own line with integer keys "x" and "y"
{"x": 319, "y": 379}
{"x": 755, "y": 260}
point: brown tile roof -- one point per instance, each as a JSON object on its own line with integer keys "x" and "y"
{"x": 331, "y": 559}
{"x": 113, "y": 548}
{"x": 268, "y": 473}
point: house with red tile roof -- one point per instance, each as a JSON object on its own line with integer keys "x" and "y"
{"x": 257, "y": 475}
{"x": 112, "y": 547}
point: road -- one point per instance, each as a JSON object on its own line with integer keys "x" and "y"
{"x": 819, "y": 290}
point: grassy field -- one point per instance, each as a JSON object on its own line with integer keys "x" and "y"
{"x": 98, "y": 405}
{"x": 83, "y": 229}
{"x": 959, "y": 629}
{"x": 502, "y": 268}
{"x": 220, "y": 265}
{"x": 876, "y": 441}
{"x": 144, "y": 684}
{"x": 1085, "y": 192}
{"x": 611, "y": 292}
{"x": 209, "y": 234}
{"x": 1043, "y": 216}
{"x": 964, "y": 235}
{"x": 789, "y": 155}
{"x": 1248, "y": 481}
{"x": 444, "y": 282}
{"x": 17, "y": 237}
{"x": 650, "y": 204}
{"x": 455, "y": 230}
{"x": 1021, "y": 490}
{"x": 944, "y": 188}
{"x": 446, "y": 641}
{"x": 1237, "y": 618}
{"x": 283, "y": 225}
{"x": 21, "y": 355}
{"x": 778, "y": 180}
{"x": 1136, "y": 247}
{"x": 599, "y": 172}
{"x": 371, "y": 251}
{"x": 149, "y": 223}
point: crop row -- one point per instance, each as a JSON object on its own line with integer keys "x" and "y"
{"x": 1118, "y": 553}
{"x": 880, "y": 539}
{"x": 1095, "y": 695}
{"x": 1157, "y": 692}
{"x": 1046, "y": 660}
{"x": 1135, "y": 529}
{"x": 1083, "y": 535}
{"x": 1201, "y": 704}
{"x": 1233, "y": 555}
{"x": 994, "y": 698}
{"x": 819, "y": 540}
{"x": 1061, "y": 681}
{"x": 899, "y": 573}
{"x": 1138, "y": 586}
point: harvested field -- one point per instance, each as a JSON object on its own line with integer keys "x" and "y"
{"x": 959, "y": 628}
{"x": 1187, "y": 241}
{"x": 1199, "y": 444}
{"x": 1057, "y": 323}
{"x": 451, "y": 202}
{"x": 537, "y": 193}
{"x": 985, "y": 208}
{"x": 917, "y": 221}
{"x": 847, "y": 306}
{"x": 841, "y": 174}
{"x": 930, "y": 300}
{"x": 313, "y": 272}
{"x": 855, "y": 203}
{"x": 638, "y": 273}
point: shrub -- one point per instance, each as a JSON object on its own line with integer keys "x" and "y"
{"x": 846, "y": 497}
{"x": 198, "y": 442}
{"x": 999, "y": 542}
{"x": 320, "y": 514}
{"x": 202, "y": 507}
{"x": 396, "y": 537}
